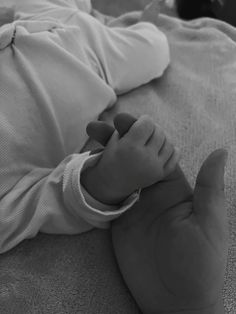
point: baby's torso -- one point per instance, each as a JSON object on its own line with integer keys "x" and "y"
{"x": 49, "y": 91}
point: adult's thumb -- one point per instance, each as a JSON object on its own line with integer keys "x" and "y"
{"x": 211, "y": 174}
{"x": 209, "y": 197}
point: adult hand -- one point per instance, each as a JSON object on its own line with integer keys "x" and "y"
{"x": 171, "y": 247}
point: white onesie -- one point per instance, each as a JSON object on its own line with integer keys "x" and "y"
{"x": 59, "y": 69}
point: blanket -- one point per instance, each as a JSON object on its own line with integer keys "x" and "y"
{"x": 195, "y": 103}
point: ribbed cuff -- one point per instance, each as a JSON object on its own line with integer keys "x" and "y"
{"x": 82, "y": 203}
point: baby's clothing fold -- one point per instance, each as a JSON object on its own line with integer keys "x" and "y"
{"x": 59, "y": 69}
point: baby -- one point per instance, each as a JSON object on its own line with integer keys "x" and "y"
{"x": 59, "y": 69}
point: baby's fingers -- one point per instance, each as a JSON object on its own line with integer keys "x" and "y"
{"x": 141, "y": 131}
{"x": 166, "y": 152}
{"x": 172, "y": 162}
{"x": 157, "y": 140}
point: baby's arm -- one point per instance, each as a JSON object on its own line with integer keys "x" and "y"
{"x": 49, "y": 200}
{"x": 125, "y": 57}
{"x": 142, "y": 157}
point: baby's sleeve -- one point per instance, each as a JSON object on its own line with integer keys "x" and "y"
{"x": 53, "y": 201}
{"x": 126, "y": 57}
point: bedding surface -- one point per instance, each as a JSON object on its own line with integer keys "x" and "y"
{"x": 195, "y": 103}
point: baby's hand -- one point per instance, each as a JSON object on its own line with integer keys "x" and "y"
{"x": 139, "y": 159}
{"x": 151, "y": 12}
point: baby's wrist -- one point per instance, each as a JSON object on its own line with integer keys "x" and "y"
{"x": 99, "y": 187}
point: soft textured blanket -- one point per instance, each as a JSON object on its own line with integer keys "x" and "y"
{"x": 195, "y": 102}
